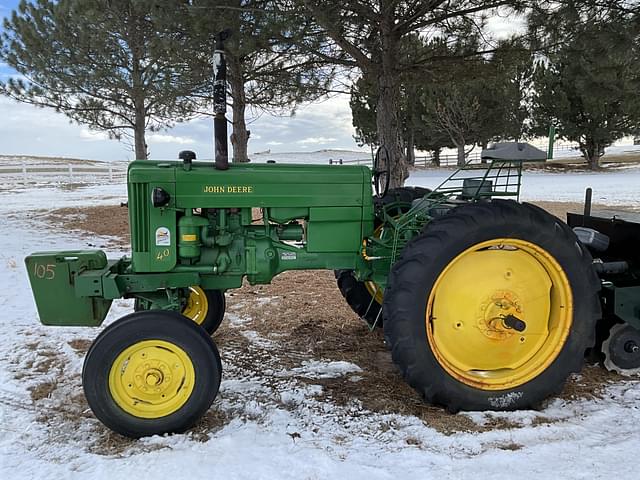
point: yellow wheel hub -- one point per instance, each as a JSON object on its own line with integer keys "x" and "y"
{"x": 151, "y": 379}
{"x": 197, "y": 305}
{"x": 473, "y": 300}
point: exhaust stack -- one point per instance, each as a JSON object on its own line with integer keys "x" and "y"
{"x": 220, "y": 102}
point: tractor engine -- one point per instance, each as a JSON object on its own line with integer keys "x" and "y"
{"x": 250, "y": 220}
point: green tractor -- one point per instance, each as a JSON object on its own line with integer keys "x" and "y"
{"x": 486, "y": 303}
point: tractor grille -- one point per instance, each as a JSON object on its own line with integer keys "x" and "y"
{"x": 139, "y": 216}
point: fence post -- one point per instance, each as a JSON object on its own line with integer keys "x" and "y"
{"x": 70, "y": 173}
{"x": 24, "y": 172}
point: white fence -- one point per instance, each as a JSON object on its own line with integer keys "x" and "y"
{"x": 451, "y": 160}
{"x": 67, "y": 173}
{"x": 420, "y": 161}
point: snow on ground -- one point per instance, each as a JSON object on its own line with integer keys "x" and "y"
{"x": 317, "y": 369}
{"x": 274, "y": 425}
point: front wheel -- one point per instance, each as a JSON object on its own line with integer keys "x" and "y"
{"x": 491, "y": 307}
{"x": 150, "y": 373}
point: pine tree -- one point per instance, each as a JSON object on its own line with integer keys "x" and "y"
{"x": 270, "y": 60}
{"x": 371, "y": 32}
{"x": 467, "y": 99}
{"x": 114, "y": 65}
{"x": 588, "y": 85}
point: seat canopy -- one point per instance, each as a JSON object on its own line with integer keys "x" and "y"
{"x": 513, "y": 151}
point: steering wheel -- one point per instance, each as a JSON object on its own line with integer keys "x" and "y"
{"x": 381, "y": 171}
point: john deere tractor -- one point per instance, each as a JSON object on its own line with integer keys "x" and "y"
{"x": 486, "y": 303}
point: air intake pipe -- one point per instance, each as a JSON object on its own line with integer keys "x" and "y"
{"x": 220, "y": 102}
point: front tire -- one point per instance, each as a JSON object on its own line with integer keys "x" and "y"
{"x": 151, "y": 373}
{"x": 455, "y": 297}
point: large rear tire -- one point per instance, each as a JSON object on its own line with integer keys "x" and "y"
{"x": 150, "y": 373}
{"x": 365, "y": 298}
{"x": 491, "y": 307}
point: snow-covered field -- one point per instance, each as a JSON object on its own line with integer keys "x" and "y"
{"x": 275, "y": 425}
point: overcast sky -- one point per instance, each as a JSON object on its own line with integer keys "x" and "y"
{"x": 27, "y": 130}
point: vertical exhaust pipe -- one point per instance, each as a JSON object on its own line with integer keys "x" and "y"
{"x": 220, "y": 102}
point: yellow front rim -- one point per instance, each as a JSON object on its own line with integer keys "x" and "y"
{"x": 477, "y": 291}
{"x": 151, "y": 379}
{"x": 197, "y": 305}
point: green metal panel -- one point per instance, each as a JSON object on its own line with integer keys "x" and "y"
{"x": 153, "y": 230}
{"x": 163, "y": 234}
{"x": 627, "y": 305}
{"x": 53, "y": 275}
{"x": 284, "y": 214}
{"x": 269, "y": 185}
{"x": 144, "y": 171}
{"x": 335, "y": 229}
{"x": 139, "y": 205}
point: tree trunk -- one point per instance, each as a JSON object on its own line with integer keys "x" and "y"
{"x": 140, "y": 142}
{"x": 240, "y": 134}
{"x": 387, "y": 118}
{"x": 461, "y": 156}
{"x": 591, "y": 153}
{"x": 411, "y": 154}
{"x": 138, "y": 94}
{"x": 436, "y": 157}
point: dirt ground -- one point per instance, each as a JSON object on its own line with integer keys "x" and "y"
{"x": 304, "y": 314}
{"x": 110, "y": 220}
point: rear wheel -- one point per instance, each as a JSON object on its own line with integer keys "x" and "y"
{"x": 151, "y": 373}
{"x": 365, "y": 298}
{"x": 491, "y": 307}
